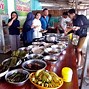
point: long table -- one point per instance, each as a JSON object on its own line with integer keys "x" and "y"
{"x": 65, "y": 59}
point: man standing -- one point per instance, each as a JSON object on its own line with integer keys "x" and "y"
{"x": 65, "y": 21}
{"x": 80, "y": 24}
{"x": 44, "y": 19}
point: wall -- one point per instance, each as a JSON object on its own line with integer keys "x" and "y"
{"x": 3, "y": 7}
{"x": 10, "y": 6}
{"x": 35, "y": 5}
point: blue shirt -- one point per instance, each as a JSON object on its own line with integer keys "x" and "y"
{"x": 82, "y": 22}
{"x": 13, "y": 29}
{"x": 44, "y": 22}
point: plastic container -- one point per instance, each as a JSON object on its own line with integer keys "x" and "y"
{"x": 67, "y": 74}
{"x": 71, "y": 36}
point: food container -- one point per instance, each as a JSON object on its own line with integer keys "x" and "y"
{"x": 51, "y": 50}
{"x": 34, "y": 65}
{"x": 55, "y": 46}
{"x": 34, "y": 56}
{"x": 3, "y": 70}
{"x": 22, "y": 48}
{"x": 51, "y": 37}
{"x": 29, "y": 47}
{"x": 12, "y": 62}
{"x": 67, "y": 74}
{"x": 38, "y": 50}
{"x": 36, "y": 43}
{"x": 50, "y": 58}
{"x": 17, "y": 77}
{"x": 59, "y": 83}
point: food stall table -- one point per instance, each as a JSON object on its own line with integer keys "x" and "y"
{"x": 66, "y": 59}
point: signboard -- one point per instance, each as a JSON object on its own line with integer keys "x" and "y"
{"x": 3, "y": 7}
{"x": 22, "y": 7}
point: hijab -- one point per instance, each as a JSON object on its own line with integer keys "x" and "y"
{"x": 28, "y": 23}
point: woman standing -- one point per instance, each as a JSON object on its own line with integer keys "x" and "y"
{"x": 36, "y": 25}
{"x": 14, "y": 32}
{"x": 27, "y": 30}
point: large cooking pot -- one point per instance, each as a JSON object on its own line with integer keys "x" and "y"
{"x": 51, "y": 37}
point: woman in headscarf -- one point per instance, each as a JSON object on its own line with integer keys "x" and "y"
{"x": 27, "y": 30}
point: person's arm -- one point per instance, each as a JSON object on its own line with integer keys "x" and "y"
{"x": 11, "y": 22}
{"x": 33, "y": 25}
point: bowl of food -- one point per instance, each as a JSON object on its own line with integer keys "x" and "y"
{"x": 34, "y": 56}
{"x": 47, "y": 44}
{"x": 29, "y": 47}
{"x": 17, "y": 77}
{"x": 51, "y": 50}
{"x": 36, "y": 43}
{"x": 54, "y": 46}
{"x": 19, "y": 53}
{"x": 38, "y": 50}
{"x": 51, "y": 37}
{"x": 34, "y": 65}
{"x": 11, "y": 62}
{"x": 50, "y": 58}
{"x": 46, "y": 80}
{"x": 3, "y": 70}
{"x": 22, "y": 48}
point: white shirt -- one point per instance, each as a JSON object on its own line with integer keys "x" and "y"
{"x": 36, "y": 33}
{"x": 64, "y": 21}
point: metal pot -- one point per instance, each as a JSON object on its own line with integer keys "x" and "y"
{"x": 51, "y": 38}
